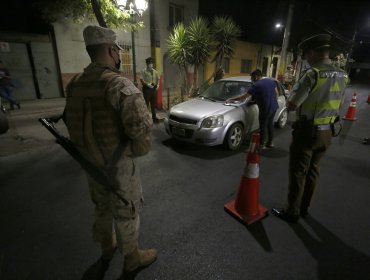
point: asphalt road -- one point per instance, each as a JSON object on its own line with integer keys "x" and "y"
{"x": 46, "y": 214}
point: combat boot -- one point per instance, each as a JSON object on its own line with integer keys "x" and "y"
{"x": 139, "y": 259}
{"x": 108, "y": 248}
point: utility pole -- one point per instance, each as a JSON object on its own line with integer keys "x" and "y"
{"x": 286, "y": 38}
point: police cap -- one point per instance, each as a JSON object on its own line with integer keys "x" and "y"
{"x": 315, "y": 42}
{"x": 97, "y": 35}
{"x": 149, "y": 60}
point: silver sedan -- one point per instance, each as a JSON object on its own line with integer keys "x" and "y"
{"x": 217, "y": 116}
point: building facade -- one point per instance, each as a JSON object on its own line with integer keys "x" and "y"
{"x": 43, "y": 64}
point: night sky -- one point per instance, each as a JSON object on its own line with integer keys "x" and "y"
{"x": 257, "y": 20}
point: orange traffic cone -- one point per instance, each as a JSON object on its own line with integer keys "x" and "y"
{"x": 245, "y": 207}
{"x": 351, "y": 112}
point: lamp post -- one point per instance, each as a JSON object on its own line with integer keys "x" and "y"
{"x": 133, "y": 7}
{"x": 286, "y": 39}
{"x": 279, "y": 27}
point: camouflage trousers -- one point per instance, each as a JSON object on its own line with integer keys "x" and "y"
{"x": 112, "y": 215}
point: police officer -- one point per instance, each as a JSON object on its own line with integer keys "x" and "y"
{"x": 109, "y": 123}
{"x": 149, "y": 80}
{"x": 316, "y": 97}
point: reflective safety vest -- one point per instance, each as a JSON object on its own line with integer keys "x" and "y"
{"x": 150, "y": 76}
{"x": 323, "y": 102}
{"x": 93, "y": 124}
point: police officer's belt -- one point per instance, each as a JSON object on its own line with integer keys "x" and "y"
{"x": 323, "y": 127}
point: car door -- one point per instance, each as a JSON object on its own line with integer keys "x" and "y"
{"x": 251, "y": 116}
{"x": 281, "y": 97}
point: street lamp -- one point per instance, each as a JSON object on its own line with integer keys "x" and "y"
{"x": 133, "y": 7}
{"x": 284, "y": 47}
{"x": 279, "y": 26}
{"x": 286, "y": 38}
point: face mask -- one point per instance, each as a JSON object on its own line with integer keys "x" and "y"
{"x": 150, "y": 65}
{"x": 118, "y": 64}
{"x": 305, "y": 65}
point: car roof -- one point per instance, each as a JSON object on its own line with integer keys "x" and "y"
{"x": 238, "y": 79}
{"x": 244, "y": 79}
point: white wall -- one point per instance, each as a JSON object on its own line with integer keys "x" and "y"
{"x": 71, "y": 47}
{"x": 162, "y": 13}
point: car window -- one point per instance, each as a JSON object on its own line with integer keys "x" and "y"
{"x": 223, "y": 90}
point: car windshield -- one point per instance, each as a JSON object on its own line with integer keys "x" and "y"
{"x": 224, "y": 90}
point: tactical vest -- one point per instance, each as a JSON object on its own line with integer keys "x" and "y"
{"x": 93, "y": 124}
{"x": 323, "y": 102}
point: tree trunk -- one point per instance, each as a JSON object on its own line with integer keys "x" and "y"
{"x": 99, "y": 16}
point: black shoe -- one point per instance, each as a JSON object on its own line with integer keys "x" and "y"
{"x": 270, "y": 145}
{"x": 19, "y": 105}
{"x": 280, "y": 213}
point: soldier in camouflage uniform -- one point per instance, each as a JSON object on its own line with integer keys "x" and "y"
{"x": 109, "y": 123}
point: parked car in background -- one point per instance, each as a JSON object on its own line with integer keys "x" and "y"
{"x": 218, "y": 117}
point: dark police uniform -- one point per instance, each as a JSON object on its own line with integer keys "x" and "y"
{"x": 317, "y": 96}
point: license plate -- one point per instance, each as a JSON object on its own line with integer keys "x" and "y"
{"x": 178, "y": 131}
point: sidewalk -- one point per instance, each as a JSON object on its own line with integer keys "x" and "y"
{"x": 26, "y": 132}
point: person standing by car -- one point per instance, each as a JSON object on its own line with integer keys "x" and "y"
{"x": 6, "y": 87}
{"x": 109, "y": 123}
{"x": 317, "y": 98}
{"x": 265, "y": 93}
{"x": 150, "y": 80}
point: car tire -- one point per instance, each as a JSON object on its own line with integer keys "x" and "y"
{"x": 283, "y": 118}
{"x": 234, "y": 137}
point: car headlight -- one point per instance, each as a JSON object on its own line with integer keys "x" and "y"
{"x": 213, "y": 121}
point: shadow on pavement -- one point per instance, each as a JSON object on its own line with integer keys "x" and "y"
{"x": 274, "y": 153}
{"x": 96, "y": 271}
{"x": 258, "y": 231}
{"x": 204, "y": 152}
{"x": 336, "y": 260}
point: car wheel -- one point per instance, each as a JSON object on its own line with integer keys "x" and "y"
{"x": 281, "y": 123}
{"x": 234, "y": 137}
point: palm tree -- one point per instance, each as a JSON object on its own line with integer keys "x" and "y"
{"x": 225, "y": 33}
{"x": 200, "y": 42}
{"x": 192, "y": 45}
{"x": 179, "y": 51}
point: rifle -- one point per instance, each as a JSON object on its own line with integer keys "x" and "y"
{"x": 95, "y": 172}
